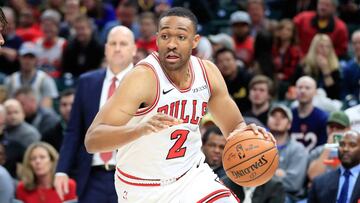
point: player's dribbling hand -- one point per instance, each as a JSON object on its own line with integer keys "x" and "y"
{"x": 257, "y": 130}
{"x": 158, "y": 122}
{"x": 61, "y": 184}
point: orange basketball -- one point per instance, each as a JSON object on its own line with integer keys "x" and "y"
{"x": 249, "y": 159}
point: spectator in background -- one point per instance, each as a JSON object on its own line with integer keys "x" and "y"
{"x": 84, "y": 52}
{"x": 28, "y": 29}
{"x": 99, "y": 11}
{"x": 263, "y": 63}
{"x": 236, "y": 77}
{"x": 71, "y": 12}
{"x": 147, "y": 39}
{"x": 3, "y": 24}
{"x": 349, "y": 12}
{"x": 140, "y": 54}
{"x": 7, "y": 189}
{"x": 309, "y": 122}
{"x": 286, "y": 55}
{"x": 8, "y": 53}
{"x": 351, "y": 71}
{"x": 213, "y": 143}
{"x": 343, "y": 184}
{"x": 50, "y": 46}
{"x": 337, "y": 123}
{"x": 37, "y": 176}
{"x": 16, "y": 127}
{"x": 244, "y": 42}
{"x": 323, "y": 20}
{"x": 322, "y": 64}
{"x": 354, "y": 115}
{"x": 261, "y": 89}
{"x": 256, "y": 10}
{"x": 220, "y": 41}
{"x": 43, "y": 85}
{"x": 293, "y": 156}
{"x": 126, "y": 16}
{"x": 43, "y": 119}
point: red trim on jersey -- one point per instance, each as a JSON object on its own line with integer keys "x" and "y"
{"x": 145, "y": 110}
{"x": 192, "y": 75}
{"x": 138, "y": 184}
{"x": 134, "y": 177}
{"x": 206, "y": 77}
{"x": 212, "y": 197}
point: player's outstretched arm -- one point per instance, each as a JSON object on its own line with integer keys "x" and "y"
{"x": 109, "y": 131}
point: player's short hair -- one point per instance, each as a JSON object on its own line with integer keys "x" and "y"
{"x": 3, "y": 21}
{"x": 212, "y": 129}
{"x": 181, "y": 12}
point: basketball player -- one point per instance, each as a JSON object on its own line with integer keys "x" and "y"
{"x": 159, "y": 144}
{"x": 3, "y": 23}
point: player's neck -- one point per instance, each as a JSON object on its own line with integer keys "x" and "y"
{"x": 181, "y": 78}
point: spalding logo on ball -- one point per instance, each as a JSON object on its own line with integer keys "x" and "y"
{"x": 249, "y": 159}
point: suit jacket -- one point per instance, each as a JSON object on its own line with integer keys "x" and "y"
{"x": 73, "y": 154}
{"x": 270, "y": 192}
{"x": 324, "y": 188}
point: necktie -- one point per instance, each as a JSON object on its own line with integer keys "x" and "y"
{"x": 345, "y": 187}
{"x": 106, "y": 156}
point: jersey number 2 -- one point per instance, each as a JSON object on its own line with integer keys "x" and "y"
{"x": 177, "y": 150}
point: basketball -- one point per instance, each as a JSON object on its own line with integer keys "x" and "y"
{"x": 250, "y": 160}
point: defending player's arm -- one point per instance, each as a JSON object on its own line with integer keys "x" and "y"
{"x": 108, "y": 131}
{"x": 223, "y": 109}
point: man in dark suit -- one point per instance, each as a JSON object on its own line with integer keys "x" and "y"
{"x": 341, "y": 185}
{"x": 94, "y": 173}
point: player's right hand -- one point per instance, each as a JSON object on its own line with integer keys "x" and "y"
{"x": 61, "y": 184}
{"x": 158, "y": 122}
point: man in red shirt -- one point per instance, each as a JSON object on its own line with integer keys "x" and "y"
{"x": 323, "y": 20}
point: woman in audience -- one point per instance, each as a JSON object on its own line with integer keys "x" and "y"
{"x": 322, "y": 64}
{"x": 37, "y": 176}
{"x": 286, "y": 55}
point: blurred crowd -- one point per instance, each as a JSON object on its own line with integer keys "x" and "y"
{"x": 291, "y": 66}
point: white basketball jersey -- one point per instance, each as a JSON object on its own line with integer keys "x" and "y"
{"x": 172, "y": 151}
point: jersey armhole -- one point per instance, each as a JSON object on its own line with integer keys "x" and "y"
{"x": 145, "y": 110}
{"x": 205, "y": 75}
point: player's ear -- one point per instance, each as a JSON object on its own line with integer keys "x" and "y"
{"x": 196, "y": 41}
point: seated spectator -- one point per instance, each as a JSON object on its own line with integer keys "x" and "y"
{"x": 286, "y": 55}
{"x": 261, "y": 89}
{"x": 259, "y": 21}
{"x": 43, "y": 85}
{"x": 309, "y": 122}
{"x": 293, "y": 156}
{"x": 43, "y": 119}
{"x": 7, "y": 186}
{"x": 351, "y": 71}
{"x": 83, "y": 53}
{"x": 71, "y": 12}
{"x": 323, "y": 20}
{"x": 320, "y": 159}
{"x": 322, "y": 64}
{"x": 343, "y": 184}
{"x": 50, "y": 46}
{"x": 16, "y": 127}
{"x": 148, "y": 27}
{"x": 28, "y": 29}
{"x": 100, "y": 12}
{"x": 236, "y": 77}
{"x": 220, "y": 41}
{"x": 213, "y": 146}
{"x": 37, "y": 176}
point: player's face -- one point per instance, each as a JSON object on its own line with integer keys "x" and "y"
{"x": 175, "y": 40}
{"x": 213, "y": 149}
{"x": 120, "y": 48}
{"x": 278, "y": 122}
{"x": 226, "y": 64}
{"x": 349, "y": 149}
{"x": 259, "y": 94}
{"x": 40, "y": 161}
